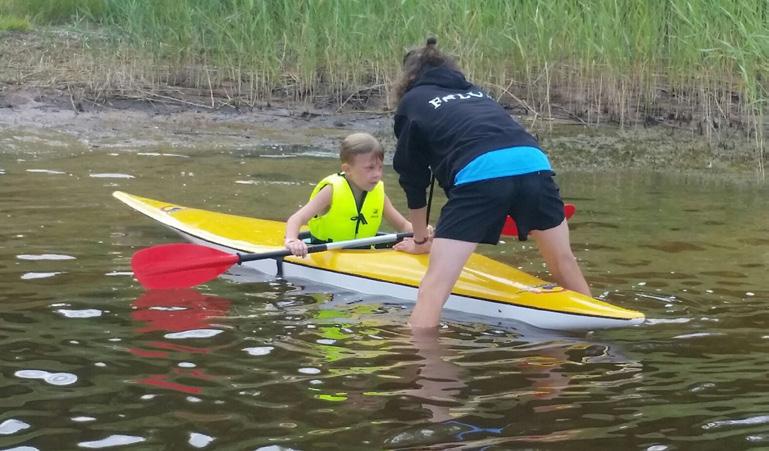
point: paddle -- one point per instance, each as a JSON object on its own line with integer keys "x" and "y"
{"x": 510, "y": 229}
{"x": 183, "y": 265}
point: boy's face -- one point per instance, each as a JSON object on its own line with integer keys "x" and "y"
{"x": 364, "y": 170}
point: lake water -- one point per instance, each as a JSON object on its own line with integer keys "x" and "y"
{"x": 90, "y": 360}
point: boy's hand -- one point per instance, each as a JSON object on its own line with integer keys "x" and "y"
{"x": 296, "y": 246}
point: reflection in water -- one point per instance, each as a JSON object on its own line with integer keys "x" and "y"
{"x": 180, "y": 312}
{"x": 438, "y": 379}
{"x": 177, "y": 310}
{"x": 537, "y": 380}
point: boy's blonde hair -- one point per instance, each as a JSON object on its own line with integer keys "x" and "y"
{"x": 359, "y": 144}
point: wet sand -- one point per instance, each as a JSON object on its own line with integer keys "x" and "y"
{"x": 147, "y": 124}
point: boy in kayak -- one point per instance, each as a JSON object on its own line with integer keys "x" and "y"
{"x": 350, "y": 204}
{"x": 489, "y": 166}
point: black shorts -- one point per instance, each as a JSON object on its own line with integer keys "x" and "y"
{"x": 476, "y": 211}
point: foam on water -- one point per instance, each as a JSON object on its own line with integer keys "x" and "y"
{"x": 44, "y": 257}
{"x": 31, "y": 374}
{"x": 45, "y": 171}
{"x": 750, "y": 421}
{"x": 195, "y": 333}
{"x": 39, "y": 275}
{"x": 61, "y": 379}
{"x": 82, "y": 419}
{"x": 257, "y": 351}
{"x": 12, "y": 426}
{"x": 119, "y": 273}
{"x": 653, "y": 321}
{"x": 112, "y": 440}
{"x": 698, "y": 335}
{"x": 199, "y": 440}
{"x": 85, "y": 313}
{"x": 108, "y": 175}
{"x": 51, "y": 378}
{"x": 266, "y": 182}
{"x": 160, "y": 154}
{"x": 277, "y": 156}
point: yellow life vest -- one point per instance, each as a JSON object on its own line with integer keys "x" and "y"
{"x": 343, "y": 220}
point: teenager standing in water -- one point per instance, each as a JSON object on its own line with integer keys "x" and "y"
{"x": 488, "y": 165}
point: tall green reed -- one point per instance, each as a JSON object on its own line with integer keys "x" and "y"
{"x": 625, "y": 60}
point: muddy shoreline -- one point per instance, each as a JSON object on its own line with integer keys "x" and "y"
{"x": 184, "y": 122}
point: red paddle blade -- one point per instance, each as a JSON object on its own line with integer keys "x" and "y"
{"x": 179, "y": 265}
{"x": 511, "y": 229}
{"x": 569, "y": 210}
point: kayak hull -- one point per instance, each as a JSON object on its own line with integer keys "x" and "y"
{"x": 486, "y": 287}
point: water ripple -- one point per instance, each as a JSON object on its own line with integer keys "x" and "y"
{"x": 12, "y": 426}
{"x": 198, "y": 440}
{"x": 46, "y": 171}
{"x": 85, "y": 313}
{"x": 112, "y": 440}
{"x": 111, "y": 175}
{"x": 51, "y": 378}
{"x": 305, "y": 366}
{"x": 39, "y": 275}
{"x": 259, "y": 351}
{"x": 45, "y": 257}
{"x": 195, "y": 333}
{"x": 750, "y": 421}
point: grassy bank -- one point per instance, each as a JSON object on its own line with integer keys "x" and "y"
{"x": 699, "y": 63}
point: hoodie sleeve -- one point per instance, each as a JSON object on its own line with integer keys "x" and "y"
{"x": 410, "y": 162}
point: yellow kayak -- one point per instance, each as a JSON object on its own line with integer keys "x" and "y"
{"x": 486, "y": 287}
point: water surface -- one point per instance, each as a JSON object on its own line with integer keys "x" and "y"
{"x": 90, "y": 360}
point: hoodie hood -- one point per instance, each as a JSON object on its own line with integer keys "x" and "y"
{"x": 444, "y": 77}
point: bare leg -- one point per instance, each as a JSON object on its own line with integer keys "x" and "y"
{"x": 447, "y": 258}
{"x": 555, "y": 248}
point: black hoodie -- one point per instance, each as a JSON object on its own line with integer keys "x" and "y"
{"x": 443, "y": 122}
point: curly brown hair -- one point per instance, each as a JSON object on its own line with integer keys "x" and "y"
{"x": 417, "y": 61}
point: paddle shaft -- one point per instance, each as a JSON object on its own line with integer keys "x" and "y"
{"x": 361, "y": 242}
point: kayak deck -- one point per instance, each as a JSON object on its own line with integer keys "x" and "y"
{"x": 485, "y": 287}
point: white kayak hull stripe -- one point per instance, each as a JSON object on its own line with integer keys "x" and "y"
{"x": 536, "y": 316}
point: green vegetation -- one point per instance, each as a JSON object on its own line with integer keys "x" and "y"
{"x": 54, "y": 11}
{"x": 14, "y": 23}
{"x": 694, "y": 60}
